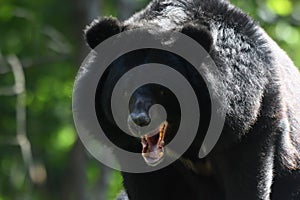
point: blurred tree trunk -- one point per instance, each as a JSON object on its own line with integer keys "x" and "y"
{"x": 125, "y": 8}
{"x": 74, "y": 186}
{"x": 100, "y": 189}
{"x": 75, "y": 179}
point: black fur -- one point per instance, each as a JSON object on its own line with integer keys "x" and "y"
{"x": 200, "y": 34}
{"x": 101, "y": 29}
{"x": 258, "y": 154}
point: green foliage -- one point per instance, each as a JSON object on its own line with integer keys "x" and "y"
{"x": 281, "y": 19}
{"x": 64, "y": 139}
{"x": 280, "y": 7}
{"x": 114, "y": 186}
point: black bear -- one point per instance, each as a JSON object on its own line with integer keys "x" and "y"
{"x": 258, "y": 153}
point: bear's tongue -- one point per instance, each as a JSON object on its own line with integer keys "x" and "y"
{"x": 153, "y": 146}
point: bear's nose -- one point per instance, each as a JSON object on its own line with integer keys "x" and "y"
{"x": 140, "y": 119}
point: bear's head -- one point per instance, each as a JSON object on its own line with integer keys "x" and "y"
{"x": 144, "y": 97}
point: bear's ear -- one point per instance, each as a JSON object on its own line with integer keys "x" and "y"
{"x": 200, "y": 34}
{"x": 101, "y": 29}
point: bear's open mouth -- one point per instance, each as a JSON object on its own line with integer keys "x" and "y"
{"x": 153, "y": 146}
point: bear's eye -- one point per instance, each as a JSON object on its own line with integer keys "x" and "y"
{"x": 162, "y": 93}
